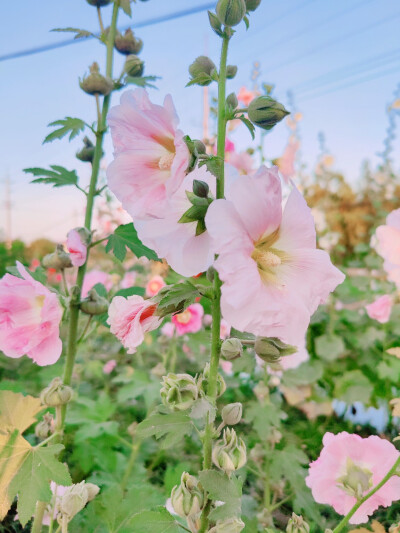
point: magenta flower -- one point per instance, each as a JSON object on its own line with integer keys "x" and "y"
{"x": 76, "y": 248}
{"x": 154, "y": 285}
{"x": 274, "y": 277}
{"x": 347, "y": 468}
{"x": 190, "y": 320}
{"x": 151, "y": 156}
{"x": 388, "y": 245}
{"x": 30, "y": 318}
{"x": 130, "y": 318}
{"x": 380, "y": 309}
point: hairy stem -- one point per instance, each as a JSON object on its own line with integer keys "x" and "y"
{"x": 37, "y": 521}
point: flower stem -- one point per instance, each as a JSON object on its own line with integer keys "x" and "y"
{"x": 38, "y": 520}
{"x": 130, "y": 465}
{"x": 375, "y": 489}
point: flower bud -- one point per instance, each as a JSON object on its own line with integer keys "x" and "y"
{"x": 76, "y": 497}
{"x": 271, "y": 349}
{"x": 230, "y": 525}
{"x": 200, "y": 146}
{"x": 231, "y": 349}
{"x": 230, "y": 12}
{"x": 187, "y": 499}
{"x": 128, "y": 44}
{"x": 59, "y": 259}
{"x": 56, "y": 394}
{"x": 231, "y": 71}
{"x": 232, "y": 101}
{"x": 179, "y": 391}
{"x": 200, "y": 188}
{"x": 45, "y": 426}
{"x": 94, "y": 304}
{"x": 265, "y": 112}
{"x": 356, "y": 481}
{"x": 252, "y": 5}
{"x": 86, "y": 153}
{"x": 204, "y": 380}
{"x": 96, "y": 83}
{"x": 297, "y": 524}
{"x": 229, "y": 453}
{"x": 134, "y": 66}
{"x": 98, "y": 3}
{"x": 202, "y": 65}
{"x": 232, "y": 413}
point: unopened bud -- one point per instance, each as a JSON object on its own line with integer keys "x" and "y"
{"x": 56, "y": 394}
{"x": 76, "y": 497}
{"x": 231, "y": 71}
{"x": 179, "y": 391}
{"x": 86, "y": 153}
{"x": 271, "y": 349}
{"x": 229, "y": 453}
{"x": 252, "y": 5}
{"x": 45, "y": 426}
{"x": 230, "y": 525}
{"x": 204, "y": 382}
{"x": 98, "y": 3}
{"x": 187, "y": 498}
{"x": 232, "y": 101}
{"x": 202, "y": 65}
{"x": 94, "y": 304}
{"x": 230, "y": 12}
{"x": 58, "y": 260}
{"x": 128, "y": 44}
{"x": 96, "y": 83}
{"x": 200, "y": 146}
{"x": 134, "y": 66}
{"x": 265, "y": 112}
{"x": 231, "y": 349}
{"x": 200, "y": 188}
{"x": 297, "y": 524}
{"x": 210, "y": 276}
{"x": 232, "y": 413}
{"x": 159, "y": 370}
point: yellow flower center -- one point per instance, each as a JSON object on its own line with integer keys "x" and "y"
{"x": 269, "y": 259}
{"x": 165, "y": 161}
{"x": 39, "y": 301}
{"x": 184, "y": 318}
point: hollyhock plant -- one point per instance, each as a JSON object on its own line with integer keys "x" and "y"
{"x": 388, "y": 245}
{"x": 128, "y": 280}
{"x": 347, "y": 468}
{"x": 287, "y": 160}
{"x": 130, "y": 318}
{"x": 30, "y": 318}
{"x": 154, "y": 285}
{"x": 380, "y": 309}
{"x": 246, "y": 96}
{"x": 274, "y": 277}
{"x": 76, "y": 248}
{"x": 93, "y": 277}
{"x": 151, "y": 156}
{"x": 109, "y": 366}
{"x": 190, "y": 320}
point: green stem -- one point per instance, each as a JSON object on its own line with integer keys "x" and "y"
{"x": 38, "y": 520}
{"x": 130, "y": 465}
{"x": 375, "y": 489}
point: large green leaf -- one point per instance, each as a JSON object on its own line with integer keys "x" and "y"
{"x": 58, "y": 176}
{"x": 124, "y": 237}
{"x": 222, "y": 488}
{"x": 156, "y": 521}
{"x": 70, "y": 125}
{"x": 173, "y": 427}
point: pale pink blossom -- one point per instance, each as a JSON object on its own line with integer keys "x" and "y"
{"x": 350, "y": 455}
{"x": 151, "y": 156}
{"x": 293, "y": 361}
{"x": 227, "y": 367}
{"x": 128, "y": 280}
{"x": 30, "y": 318}
{"x": 168, "y": 330}
{"x": 388, "y": 245}
{"x": 130, "y": 318}
{"x": 154, "y": 285}
{"x": 190, "y": 320}
{"x": 287, "y": 159}
{"x": 225, "y": 329}
{"x": 229, "y": 146}
{"x": 187, "y": 253}
{"x": 207, "y": 320}
{"x": 246, "y": 96}
{"x": 76, "y": 248}
{"x": 109, "y": 366}
{"x": 92, "y": 278}
{"x": 380, "y": 309}
{"x": 242, "y": 161}
{"x": 274, "y": 277}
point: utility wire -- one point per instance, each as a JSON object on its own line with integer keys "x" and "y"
{"x": 67, "y": 42}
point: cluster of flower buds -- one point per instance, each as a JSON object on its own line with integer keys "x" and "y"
{"x": 232, "y": 413}
{"x": 94, "y": 304}
{"x": 74, "y": 500}
{"x": 56, "y": 394}
{"x": 271, "y": 349}
{"x": 179, "y": 391}
{"x": 204, "y": 380}
{"x": 231, "y": 349}
{"x": 231, "y": 12}
{"x": 95, "y": 83}
{"x": 297, "y": 524}
{"x": 265, "y": 112}
{"x": 229, "y": 525}
{"x": 45, "y": 426}
{"x": 58, "y": 260}
{"x": 229, "y": 453}
{"x": 187, "y": 498}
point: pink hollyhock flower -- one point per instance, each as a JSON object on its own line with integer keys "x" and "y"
{"x": 350, "y": 465}
{"x": 225, "y": 329}
{"x": 155, "y": 284}
{"x": 287, "y": 160}
{"x": 243, "y": 162}
{"x": 229, "y": 146}
{"x": 128, "y": 280}
{"x": 380, "y": 309}
{"x": 130, "y": 318}
{"x": 246, "y": 96}
{"x": 151, "y": 156}
{"x": 109, "y": 366}
{"x": 207, "y": 320}
{"x": 274, "y": 277}
{"x": 227, "y": 367}
{"x": 168, "y": 330}
{"x": 30, "y": 318}
{"x": 187, "y": 253}
{"x": 190, "y": 320}
{"x": 388, "y": 245}
{"x": 295, "y": 360}
{"x": 76, "y": 248}
{"x": 92, "y": 278}
{"x": 34, "y": 264}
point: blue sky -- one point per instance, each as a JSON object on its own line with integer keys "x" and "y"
{"x": 323, "y": 46}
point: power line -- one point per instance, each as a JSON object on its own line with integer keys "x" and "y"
{"x": 67, "y": 42}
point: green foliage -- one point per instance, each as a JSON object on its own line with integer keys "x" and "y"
{"x": 124, "y": 237}
{"x": 171, "y": 427}
{"x": 175, "y": 298}
{"x": 329, "y": 347}
{"x": 353, "y": 386}
{"x": 157, "y": 521}
{"x": 70, "y": 125}
{"x": 79, "y": 33}
{"x": 58, "y": 176}
{"x": 222, "y": 488}
{"x": 142, "y": 81}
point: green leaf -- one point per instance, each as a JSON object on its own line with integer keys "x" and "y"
{"x": 70, "y": 125}
{"x": 213, "y": 164}
{"x": 156, "y": 521}
{"x": 175, "y": 298}
{"x": 353, "y": 386}
{"x": 173, "y": 427}
{"x": 58, "y": 176}
{"x": 126, "y": 7}
{"x": 140, "y": 291}
{"x": 264, "y": 418}
{"x": 389, "y": 369}
{"x": 249, "y": 125}
{"x": 222, "y": 488}
{"x": 202, "y": 79}
{"x": 306, "y": 373}
{"x": 32, "y": 481}
{"x": 124, "y": 237}
{"x": 142, "y": 81}
{"x": 79, "y": 33}
{"x": 215, "y": 23}
{"x": 329, "y": 347}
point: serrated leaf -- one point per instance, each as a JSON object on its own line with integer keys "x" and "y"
{"x": 173, "y": 427}
{"x": 58, "y": 176}
{"x": 124, "y": 237}
{"x": 32, "y": 481}
{"x": 222, "y": 488}
{"x": 158, "y": 520}
{"x": 213, "y": 164}
{"x": 142, "y": 81}
{"x": 70, "y": 125}
{"x": 175, "y": 298}
{"x": 17, "y": 411}
{"x": 79, "y": 32}
{"x": 264, "y": 418}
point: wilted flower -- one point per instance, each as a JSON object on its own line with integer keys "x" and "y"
{"x": 229, "y": 453}
{"x": 96, "y": 83}
{"x": 127, "y": 43}
{"x": 187, "y": 498}
{"x": 56, "y": 394}
{"x": 179, "y": 391}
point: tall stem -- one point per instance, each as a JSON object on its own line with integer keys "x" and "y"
{"x": 38, "y": 520}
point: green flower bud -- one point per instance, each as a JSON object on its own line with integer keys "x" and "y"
{"x": 229, "y": 453}
{"x": 98, "y": 3}
{"x": 204, "y": 380}
{"x": 187, "y": 499}
{"x": 76, "y": 497}
{"x": 252, "y": 5}
{"x": 200, "y": 146}
{"x": 231, "y": 349}
{"x": 232, "y": 413}
{"x": 230, "y": 12}
{"x": 134, "y": 66}
{"x": 56, "y": 394}
{"x": 86, "y": 153}
{"x": 45, "y": 426}
{"x": 59, "y": 259}
{"x": 179, "y": 391}
{"x": 232, "y": 100}
{"x": 265, "y": 112}
{"x": 231, "y": 71}
{"x": 211, "y": 273}
{"x": 297, "y": 524}
{"x": 128, "y": 44}
{"x": 357, "y": 480}
{"x": 94, "y": 304}
{"x": 230, "y": 525}
{"x": 202, "y": 65}
{"x": 271, "y": 349}
{"x": 96, "y": 83}
{"x": 200, "y": 188}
